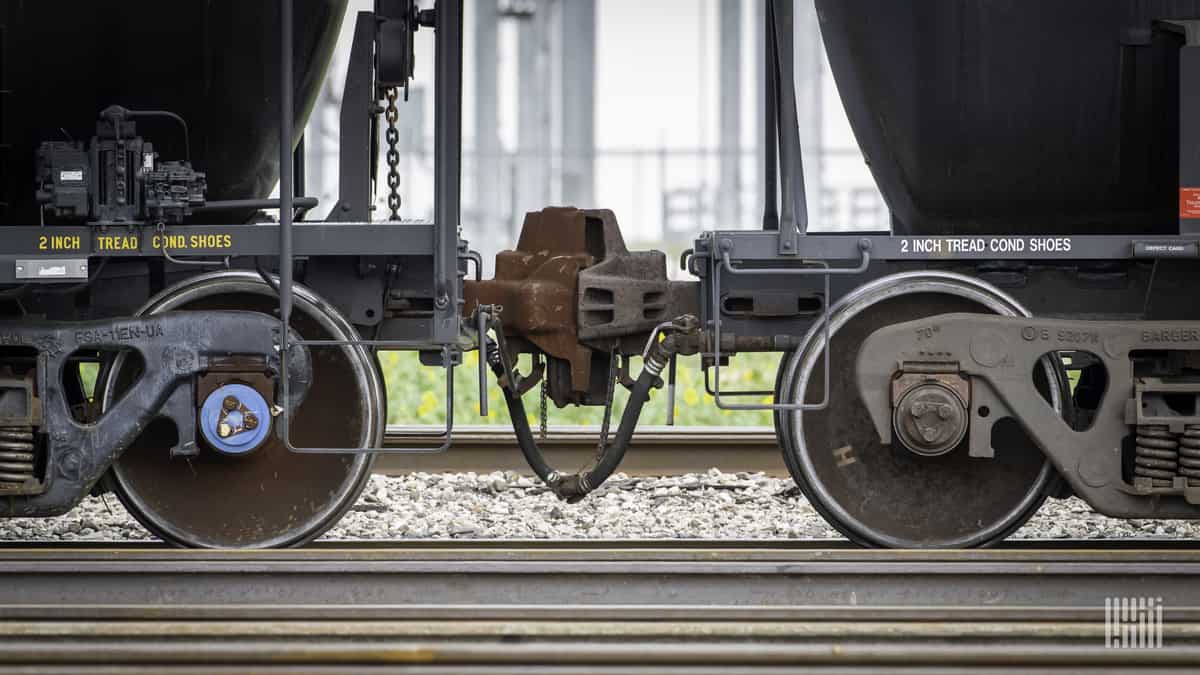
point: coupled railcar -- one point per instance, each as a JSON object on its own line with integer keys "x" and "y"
{"x": 1026, "y": 330}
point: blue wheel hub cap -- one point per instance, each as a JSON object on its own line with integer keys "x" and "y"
{"x": 235, "y": 419}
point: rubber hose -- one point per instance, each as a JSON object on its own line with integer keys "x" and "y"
{"x": 575, "y": 487}
{"x": 615, "y": 451}
{"x": 525, "y": 439}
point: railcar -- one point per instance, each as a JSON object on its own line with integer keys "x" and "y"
{"x": 1026, "y": 329}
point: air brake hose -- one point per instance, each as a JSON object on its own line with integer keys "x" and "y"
{"x": 574, "y": 487}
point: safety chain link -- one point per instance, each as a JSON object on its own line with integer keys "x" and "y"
{"x": 608, "y": 404}
{"x": 544, "y": 420}
{"x": 392, "y": 136}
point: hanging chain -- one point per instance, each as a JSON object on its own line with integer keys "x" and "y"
{"x": 392, "y": 135}
{"x": 545, "y": 415}
{"x": 608, "y": 404}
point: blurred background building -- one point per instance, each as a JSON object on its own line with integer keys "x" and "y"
{"x": 651, "y": 108}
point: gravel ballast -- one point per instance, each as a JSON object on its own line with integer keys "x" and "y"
{"x": 711, "y": 505}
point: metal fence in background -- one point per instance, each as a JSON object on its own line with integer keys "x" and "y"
{"x": 663, "y": 197}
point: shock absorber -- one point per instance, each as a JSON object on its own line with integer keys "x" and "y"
{"x": 16, "y": 456}
{"x": 1156, "y": 454}
{"x": 1189, "y": 454}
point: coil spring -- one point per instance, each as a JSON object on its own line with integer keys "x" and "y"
{"x": 1156, "y": 454}
{"x": 1189, "y": 454}
{"x": 16, "y": 454}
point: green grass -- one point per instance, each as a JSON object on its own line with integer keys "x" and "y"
{"x": 88, "y": 373}
{"x": 416, "y": 394}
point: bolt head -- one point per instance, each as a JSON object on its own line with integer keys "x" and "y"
{"x": 230, "y": 403}
{"x": 250, "y": 421}
{"x": 224, "y": 430}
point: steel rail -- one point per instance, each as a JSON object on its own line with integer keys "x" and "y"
{"x": 757, "y": 576}
{"x": 1002, "y": 651}
{"x": 654, "y": 451}
{"x": 398, "y": 547}
{"x": 569, "y": 607}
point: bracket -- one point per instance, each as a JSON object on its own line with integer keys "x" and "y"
{"x": 721, "y": 262}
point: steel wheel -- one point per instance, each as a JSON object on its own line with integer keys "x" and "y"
{"x": 269, "y": 497}
{"x": 887, "y": 496}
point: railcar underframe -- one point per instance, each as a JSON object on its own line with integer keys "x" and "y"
{"x": 935, "y": 390}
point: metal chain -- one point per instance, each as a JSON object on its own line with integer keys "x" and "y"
{"x": 608, "y": 404}
{"x": 392, "y": 136}
{"x": 545, "y": 415}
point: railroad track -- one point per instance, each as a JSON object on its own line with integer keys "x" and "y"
{"x": 560, "y": 607}
{"x": 654, "y": 451}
